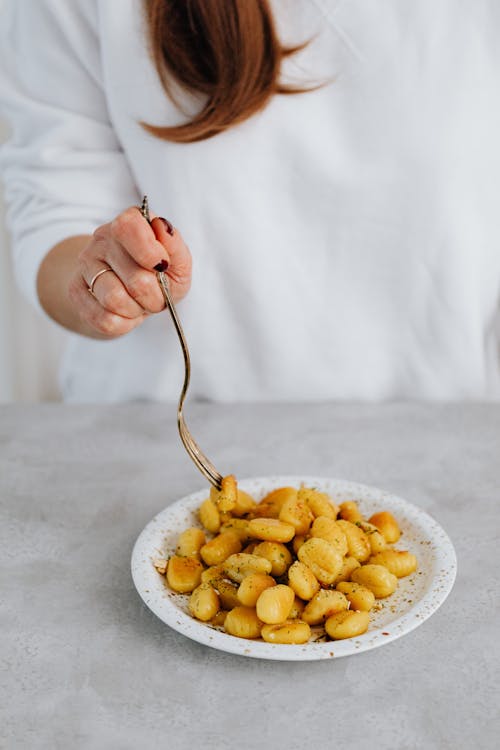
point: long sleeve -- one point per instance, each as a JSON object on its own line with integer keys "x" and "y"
{"x": 63, "y": 167}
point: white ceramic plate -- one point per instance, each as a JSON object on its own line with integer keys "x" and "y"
{"x": 416, "y": 598}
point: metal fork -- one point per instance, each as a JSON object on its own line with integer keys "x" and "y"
{"x": 194, "y": 451}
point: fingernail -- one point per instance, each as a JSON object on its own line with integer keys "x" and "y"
{"x": 161, "y": 266}
{"x": 168, "y": 225}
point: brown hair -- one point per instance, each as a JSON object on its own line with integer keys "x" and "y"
{"x": 226, "y": 50}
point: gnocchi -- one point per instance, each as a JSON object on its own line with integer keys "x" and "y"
{"x": 238, "y": 566}
{"x": 184, "y": 573}
{"x": 220, "y": 547}
{"x": 290, "y": 631}
{"x": 398, "y": 562}
{"x": 358, "y": 545}
{"x": 347, "y": 624}
{"x": 190, "y": 542}
{"x": 302, "y": 580}
{"x": 204, "y": 602}
{"x": 328, "y": 529}
{"x": 271, "y": 530}
{"x": 243, "y": 622}
{"x": 277, "y": 554}
{"x": 293, "y": 561}
{"x": 360, "y": 597}
{"x": 226, "y": 498}
{"x": 322, "y": 558}
{"x": 319, "y": 503}
{"x": 387, "y": 525}
{"x": 297, "y": 513}
{"x": 252, "y": 587}
{"x": 274, "y": 604}
{"x": 323, "y": 604}
{"x": 377, "y": 579}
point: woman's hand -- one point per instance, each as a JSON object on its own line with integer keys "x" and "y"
{"x": 122, "y": 298}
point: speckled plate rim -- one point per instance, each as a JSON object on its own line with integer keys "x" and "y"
{"x": 441, "y": 571}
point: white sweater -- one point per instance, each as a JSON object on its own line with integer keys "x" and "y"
{"x": 346, "y": 242}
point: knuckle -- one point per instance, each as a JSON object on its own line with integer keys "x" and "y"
{"x": 144, "y": 289}
{"x": 94, "y": 251}
{"x": 120, "y": 226}
{"x": 132, "y": 213}
{"x": 108, "y": 324}
{"x": 85, "y": 255}
{"x": 140, "y": 286}
{"x": 114, "y": 298}
{"x": 101, "y": 233}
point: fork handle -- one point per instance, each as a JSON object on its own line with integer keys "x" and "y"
{"x": 164, "y": 286}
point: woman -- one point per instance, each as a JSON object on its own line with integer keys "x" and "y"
{"x": 332, "y": 166}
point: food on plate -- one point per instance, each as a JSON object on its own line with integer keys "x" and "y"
{"x": 241, "y": 564}
{"x": 387, "y": 525}
{"x": 290, "y": 631}
{"x": 360, "y": 597}
{"x": 323, "y": 604}
{"x": 190, "y": 542}
{"x": 243, "y": 622}
{"x": 347, "y": 624}
{"x": 184, "y": 573}
{"x": 293, "y": 561}
{"x": 376, "y": 578}
{"x": 271, "y": 530}
{"x": 204, "y": 602}
{"x": 322, "y": 558}
{"x": 252, "y": 587}
{"x": 302, "y": 580}
{"x": 398, "y": 562}
{"x": 274, "y": 604}
{"x": 220, "y": 547}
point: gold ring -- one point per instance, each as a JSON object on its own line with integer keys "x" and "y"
{"x": 94, "y": 279}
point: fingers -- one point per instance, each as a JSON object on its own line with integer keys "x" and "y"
{"x": 102, "y": 322}
{"x": 179, "y": 258}
{"x": 133, "y": 233}
{"x": 141, "y": 285}
{"x": 109, "y": 291}
{"x": 131, "y": 243}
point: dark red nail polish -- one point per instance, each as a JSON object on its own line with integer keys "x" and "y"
{"x": 161, "y": 266}
{"x": 168, "y": 225}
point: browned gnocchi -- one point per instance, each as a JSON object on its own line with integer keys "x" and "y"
{"x": 293, "y": 566}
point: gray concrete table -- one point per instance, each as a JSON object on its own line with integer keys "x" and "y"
{"x": 86, "y": 665}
